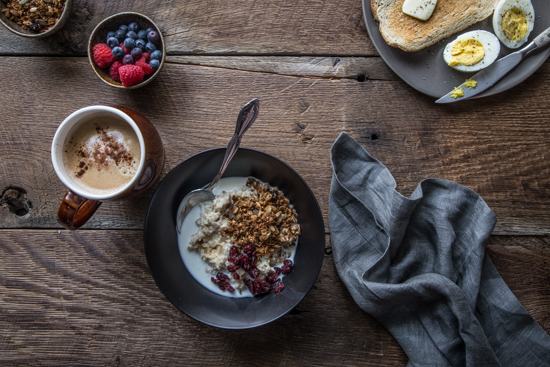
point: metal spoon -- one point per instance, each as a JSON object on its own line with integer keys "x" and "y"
{"x": 246, "y": 118}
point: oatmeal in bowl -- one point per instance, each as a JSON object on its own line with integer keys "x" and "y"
{"x": 243, "y": 242}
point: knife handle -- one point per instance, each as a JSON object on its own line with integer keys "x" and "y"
{"x": 543, "y": 39}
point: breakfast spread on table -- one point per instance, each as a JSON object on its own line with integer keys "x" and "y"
{"x": 244, "y": 242}
{"x": 246, "y": 238}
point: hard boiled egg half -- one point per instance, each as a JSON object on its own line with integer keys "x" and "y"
{"x": 513, "y": 20}
{"x": 472, "y": 51}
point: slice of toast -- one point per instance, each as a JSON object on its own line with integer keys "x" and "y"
{"x": 411, "y": 34}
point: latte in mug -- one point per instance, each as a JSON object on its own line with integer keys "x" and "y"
{"x": 102, "y": 154}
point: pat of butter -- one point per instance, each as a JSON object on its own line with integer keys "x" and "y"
{"x": 420, "y": 9}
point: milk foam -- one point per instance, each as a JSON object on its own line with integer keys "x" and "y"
{"x": 102, "y": 154}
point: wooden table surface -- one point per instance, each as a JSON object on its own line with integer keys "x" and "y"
{"x": 87, "y": 298}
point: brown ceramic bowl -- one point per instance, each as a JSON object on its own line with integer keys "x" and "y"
{"x": 16, "y": 28}
{"x": 112, "y": 23}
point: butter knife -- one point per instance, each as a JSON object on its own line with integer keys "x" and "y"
{"x": 486, "y": 78}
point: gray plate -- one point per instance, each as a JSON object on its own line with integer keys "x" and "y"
{"x": 426, "y": 71}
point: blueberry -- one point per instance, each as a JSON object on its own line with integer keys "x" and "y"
{"x": 118, "y": 52}
{"x": 132, "y": 35}
{"x": 149, "y": 30}
{"x": 127, "y": 59}
{"x": 136, "y": 53}
{"x": 110, "y": 34}
{"x": 129, "y": 43}
{"x": 120, "y": 35}
{"x": 153, "y": 37}
{"x": 142, "y": 35}
{"x": 134, "y": 27}
{"x": 34, "y": 28}
{"x": 141, "y": 44}
{"x": 154, "y": 64}
{"x": 156, "y": 55}
{"x": 112, "y": 42}
{"x": 149, "y": 47}
{"x": 124, "y": 28}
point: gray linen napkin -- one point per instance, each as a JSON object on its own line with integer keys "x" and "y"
{"x": 418, "y": 265}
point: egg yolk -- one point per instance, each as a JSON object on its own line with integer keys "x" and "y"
{"x": 514, "y": 24}
{"x": 457, "y": 92}
{"x": 470, "y": 83}
{"x": 467, "y": 52}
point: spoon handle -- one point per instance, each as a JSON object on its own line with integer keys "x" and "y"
{"x": 246, "y": 118}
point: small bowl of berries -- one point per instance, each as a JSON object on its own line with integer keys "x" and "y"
{"x": 127, "y": 50}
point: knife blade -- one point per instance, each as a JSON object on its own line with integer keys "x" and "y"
{"x": 487, "y": 77}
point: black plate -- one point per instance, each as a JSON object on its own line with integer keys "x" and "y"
{"x": 426, "y": 71}
{"x": 169, "y": 271}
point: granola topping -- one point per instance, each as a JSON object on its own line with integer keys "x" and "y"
{"x": 34, "y": 15}
{"x": 267, "y": 220}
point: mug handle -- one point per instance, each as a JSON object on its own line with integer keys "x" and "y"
{"x": 75, "y": 210}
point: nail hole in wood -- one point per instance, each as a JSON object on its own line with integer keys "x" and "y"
{"x": 374, "y": 137}
{"x": 15, "y": 199}
{"x": 361, "y": 78}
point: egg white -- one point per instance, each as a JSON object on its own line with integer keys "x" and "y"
{"x": 490, "y": 44}
{"x": 501, "y": 8}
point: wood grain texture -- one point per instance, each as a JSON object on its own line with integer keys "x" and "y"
{"x": 269, "y": 27}
{"x": 498, "y": 151}
{"x": 86, "y": 298}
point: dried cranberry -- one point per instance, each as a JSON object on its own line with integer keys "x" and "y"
{"x": 287, "y": 267}
{"x": 254, "y": 272}
{"x": 222, "y": 276}
{"x": 253, "y": 260}
{"x": 214, "y": 280}
{"x": 265, "y": 286}
{"x": 278, "y": 287}
{"x": 231, "y": 259}
{"x": 271, "y": 278}
{"x": 250, "y": 284}
{"x": 233, "y": 251}
{"x": 233, "y": 268}
{"x": 249, "y": 249}
{"x": 236, "y": 276}
{"x": 247, "y": 267}
{"x": 257, "y": 287}
{"x": 230, "y": 289}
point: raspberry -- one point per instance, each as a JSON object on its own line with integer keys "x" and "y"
{"x": 147, "y": 56}
{"x": 144, "y": 65}
{"x": 103, "y": 56}
{"x": 130, "y": 75}
{"x": 113, "y": 71}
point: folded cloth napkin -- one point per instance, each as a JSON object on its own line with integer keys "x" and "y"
{"x": 418, "y": 265}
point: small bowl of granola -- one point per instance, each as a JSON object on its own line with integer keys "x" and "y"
{"x": 127, "y": 50}
{"x": 255, "y": 251}
{"x": 34, "y": 18}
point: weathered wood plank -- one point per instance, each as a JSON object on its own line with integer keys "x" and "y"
{"x": 87, "y": 298}
{"x": 498, "y": 151}
{"x": 362, "y": 68}
{"x": 268, "y": 27}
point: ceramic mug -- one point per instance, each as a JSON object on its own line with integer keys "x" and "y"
{"x": 80, "y": 203}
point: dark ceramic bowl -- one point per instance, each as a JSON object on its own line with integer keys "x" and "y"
{"x": 112, "y": 23}
{"x": 173, "y": 278}
{"x": 16, "y": 28}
